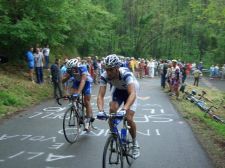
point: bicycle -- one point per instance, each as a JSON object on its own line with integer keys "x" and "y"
{"x": 208, "y": 111}
{"x": 74, "y": 118}
{"x": 118, "y": 145}
{"x": 203, "y": 106}
{"x": 191, "y": 96}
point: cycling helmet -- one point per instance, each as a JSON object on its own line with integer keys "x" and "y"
{"x": 112, "y": 61}
{"x": 72, "y": 63}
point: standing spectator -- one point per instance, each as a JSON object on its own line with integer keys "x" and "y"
{"x": 39, "y": 61}
{"x": 200, "y": 66}
{"x": 141, "y": 68}
{"x": 96, "y": 69}
{"x": 193, "y": 67}
{"x": 216, "y": 71}
{"x": 212, "y": 71}
{"x": 197, "y": 74}
{"x": 168, "y": 75}
{"x": 163, "y": 74}
{"x": 175, "y": 78}
{"x": 223, "y": 72}
{"x": 184, "y": 72}
{"x": 151, "y": 68}
{"x": 132, "y": 64}
{"x": 46, "y": 52}
{"x": 30, "y": 63}
{"x": 63, "y": 69}
{"x": 56, "y": 78}
{"x": 188, "y": 69}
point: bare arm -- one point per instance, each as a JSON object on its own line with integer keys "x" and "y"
{"x": 65, "y": 78}
{"x": 100, "y": 99}
{"x": 132, "y": 96}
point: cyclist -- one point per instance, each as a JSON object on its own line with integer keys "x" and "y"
{"x": 81, "y": 84}
{"x": 124, "y": 88}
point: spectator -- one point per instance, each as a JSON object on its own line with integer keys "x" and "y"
{"x": 56, "y": 78}
{"x": 132, "y": 64}
{"x": 39, "y": 61}
{"x": 216, "y": 71}
{"x": 175, "y": 78}
{"x": 163, "y": 74}
{"x": 141, "y": 68}
{"x": 96, "y": 69}
{"x": 151, "y": 66}
{"x": 212, "y": 71}
{"x": 30, "y": 63}
{"x": 197, "y": 74}
{"x": 63, "y": 69}
{"x": 46, "y": 52}
{"x": 223, "y": 72}
{"x": 200, "y": 66}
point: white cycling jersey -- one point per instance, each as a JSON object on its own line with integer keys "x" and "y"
{"x": 126, "y": 77}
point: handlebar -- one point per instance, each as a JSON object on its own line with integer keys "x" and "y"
{"x": 105, "y": 116}
{"x": 70, "y": 98}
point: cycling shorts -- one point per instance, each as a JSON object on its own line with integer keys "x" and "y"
{"x": 120, "y": 96}
{"x": 87, "y": 87}
{"x": 31, "y": 65}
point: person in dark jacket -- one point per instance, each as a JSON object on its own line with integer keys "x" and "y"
{"x": 56, "y": 78}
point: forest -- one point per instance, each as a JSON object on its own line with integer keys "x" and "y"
{"x": 190, "y": 30}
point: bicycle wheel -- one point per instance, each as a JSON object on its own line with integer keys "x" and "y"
{"x": 112, "y": 154}
{"x": 129, "y": 150}
{"x": 71, "y": 126}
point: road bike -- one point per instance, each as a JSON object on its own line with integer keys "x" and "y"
{"x": 199, "y": 102}
{"x": 74, "y": 118}
{"x": 118, "y": 144}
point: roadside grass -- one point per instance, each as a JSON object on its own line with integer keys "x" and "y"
{"x": 210, "y": 133}
{"x": 17, "y": 92}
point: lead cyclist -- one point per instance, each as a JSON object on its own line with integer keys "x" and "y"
{"x": 124, "y": 87}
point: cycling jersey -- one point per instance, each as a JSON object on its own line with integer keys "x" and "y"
{"x": 119, "y": 86}
{"x": 77, "y": 78}
{"x": 125, "y": 78}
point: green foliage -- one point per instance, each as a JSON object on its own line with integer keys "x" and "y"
{"x": 9, "y": 99}
{"x": 191, "y": 30}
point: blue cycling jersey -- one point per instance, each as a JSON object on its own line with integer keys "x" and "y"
{"x": 76, "y": 78}
{"x": 81, "y": 71}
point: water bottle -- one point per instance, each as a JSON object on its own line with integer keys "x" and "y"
{"x": 123, "y": 134}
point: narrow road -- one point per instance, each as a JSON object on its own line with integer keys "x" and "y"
{"x": 34, "y": 137}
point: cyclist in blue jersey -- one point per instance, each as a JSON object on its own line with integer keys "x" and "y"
{"x": 81, "y": 84}
{"x": 124, "y": 87}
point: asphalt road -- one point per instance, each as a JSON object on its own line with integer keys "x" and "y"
{"x": 34, "y": 137}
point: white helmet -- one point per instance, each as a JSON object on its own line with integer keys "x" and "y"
{"x": 72, "y": 63}
{"x": 112, "y": 61}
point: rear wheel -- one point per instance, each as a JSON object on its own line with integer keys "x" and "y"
{"x": 71, "y": 126}
{"x": 112, "y": 154}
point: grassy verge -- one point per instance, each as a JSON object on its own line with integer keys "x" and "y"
{"x": 17, "y": 92}
{"x": 210, "y": 133}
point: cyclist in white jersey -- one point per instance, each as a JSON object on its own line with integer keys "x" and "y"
{"x": 124, "y": 87}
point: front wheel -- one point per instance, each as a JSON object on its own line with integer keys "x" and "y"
{"x": 129, "y": 150}
{"x": 112, "y": 154}
{"x": 71, "y": 126}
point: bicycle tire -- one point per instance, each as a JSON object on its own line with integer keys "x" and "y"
{"x": 114, "y": 149}
{"x": 129, "y": 150}
{"x": 71, "y": 126}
